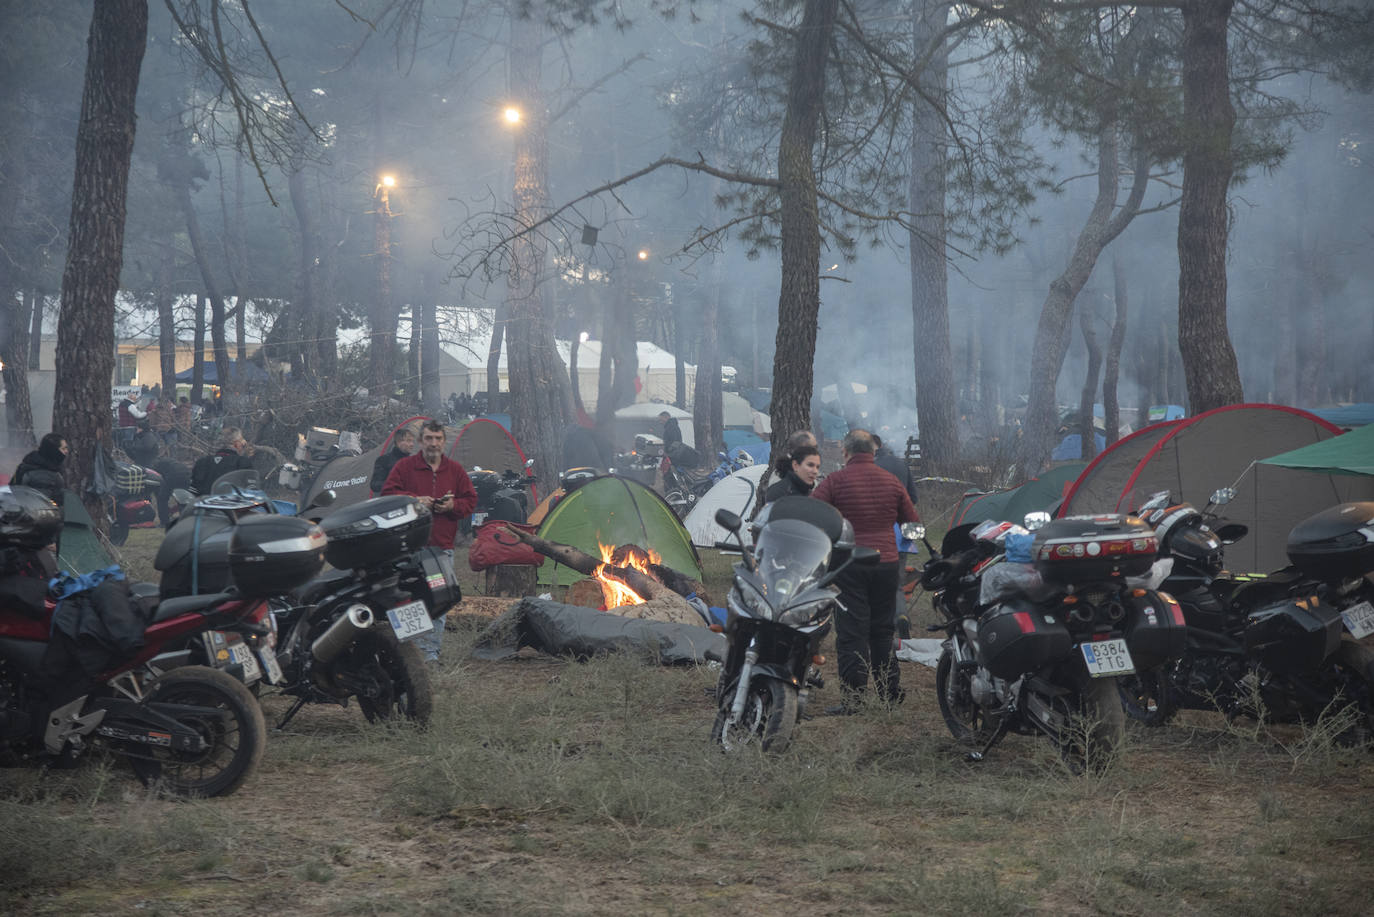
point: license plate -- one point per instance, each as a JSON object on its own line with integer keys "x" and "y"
{"x": 1359, "y": 620}
{"x": 269, "y": 665}
{"x": 478, "y": 519}
{"x": 1106, "y": 658}
{"x": 410, "y": 620}
{"x": 241, "y": 654}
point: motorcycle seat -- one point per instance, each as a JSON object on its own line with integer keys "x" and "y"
{"x": 189, "y": 604}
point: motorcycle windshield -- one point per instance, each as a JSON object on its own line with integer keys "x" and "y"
{"x": 791, "y": 555}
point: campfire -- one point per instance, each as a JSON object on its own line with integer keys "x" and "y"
{"x": 627, "y": 556}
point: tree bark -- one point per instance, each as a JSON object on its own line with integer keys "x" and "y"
{"x": 198, "y": 357}
{"x": 218, "y": 339}
{"x": 799, "y": 299}
{"x": 1087, "y": 431}
{"x": 429, "y": 348}
{"x": 1051, "y": 333}
{"x": 619, "y": 355}
{"x": 540, "y": 393}
{"x": 14, "y": 352}
{"x": 1111, "y": 370}
{"x": 166, "y": 323}
{"x": 1209, "y": 361}
{"x": 498, "y": 338}
{"x": 708, "y": 425}
{"x": 95, "y": 247}
{"x": 381, "y": 352}
{"x": 302, "y": 325}
{"x": 936, "y": 401}
{"x": 36, "y": 330}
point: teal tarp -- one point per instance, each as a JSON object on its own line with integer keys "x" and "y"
{"x": 1349, "y": 453}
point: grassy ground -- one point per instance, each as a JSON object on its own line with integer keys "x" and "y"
{"x": 550, "y": 787}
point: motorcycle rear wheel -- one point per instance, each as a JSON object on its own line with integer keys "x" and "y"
{"x": 966, "y": 720}
{"x": 1092, "y": 738}
{"x": 770, "y": 716}
{"x": 1358, "y": 661}
{"x": 399, "y": 671}
{"x": 236, "y": 740}
{"x": 1147, "y": 697}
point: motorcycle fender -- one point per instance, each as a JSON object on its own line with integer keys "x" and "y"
{"x": 777, "y": 671}
{"x": 154, "y": 723}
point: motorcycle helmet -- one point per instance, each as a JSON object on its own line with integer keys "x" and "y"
{"x": 27, "y": 518}
{"x": 574, "y": 478}
{"x": 1182, "y": 532}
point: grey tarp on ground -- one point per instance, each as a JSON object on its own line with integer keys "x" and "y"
{"x": 558, "y": 629}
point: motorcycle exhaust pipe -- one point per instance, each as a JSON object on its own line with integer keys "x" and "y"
{"x": 355, "y": 620}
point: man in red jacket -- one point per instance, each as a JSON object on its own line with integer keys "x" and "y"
{"x": 442, "y": 486}
{"x": 872, "y": 500}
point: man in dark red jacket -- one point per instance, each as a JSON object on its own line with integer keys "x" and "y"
{"x": 442, "y": 486}
{"x": 873, "y": 501}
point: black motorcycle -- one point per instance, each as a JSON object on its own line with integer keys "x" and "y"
{"x": 506, "y": 496}
{"x": 1036, "y": 646}
{"x": 1265, "y": 646}
{"x": 780, "y": 607}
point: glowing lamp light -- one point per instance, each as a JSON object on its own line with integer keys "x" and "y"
{"x": 643, "y": 254}
{"x": 512, "y": 115}
{"x": 389, "y": 181}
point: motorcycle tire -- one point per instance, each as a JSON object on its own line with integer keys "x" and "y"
{"x": 398, "y": 670}
{"x": 965, "y": 719}
{"x": 1147, "y": 697}
{"x": 1096, "y": 726}
{"x": 770, "y": 716}
{"x": 677, "y": 502}
{"x": 236, "y": 739}
{"x": 118, "y": 534}
{"x": 1357, "y": 659}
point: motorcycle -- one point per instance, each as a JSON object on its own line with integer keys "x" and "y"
{"x": 345, "y": 634}
{"x": 781, "y": 604}
{"x": 683, "y": 487}
{"x": 186, "y": 729}
{"x": 129, "y": 505}
{"x": 1285, "y": 646}
{"x": 507, "y": 496}
{"x": 1039, "y": 627}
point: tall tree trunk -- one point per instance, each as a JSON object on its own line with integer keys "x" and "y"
{"x": 1111, "y": 370}
{"x": 413, "y": 355}
{"x": 198, "y": 357}
{"x": 799, "y": 297}
{"x": 40, "y": 299}
{"x": 936, "y": 403}
{"x": 382, "y": 315}
{"x": 1087, "y": 430}
{"x": 1209, "y": 360}
{"x": 95, "y": 246}
{"x": 429, "y": 350}
{"x": 540, "y": 393}
{"x": 212, "y": 291}
{"x": 708, "y": 425}
{"x": 15, "y": 313}
{"x": 303, "y": 311}
{"x": 500, "y": 318}
{"x": 1051, "y": 334}
{"x": 166, "y": 323}
{"x": 619, "y": 355}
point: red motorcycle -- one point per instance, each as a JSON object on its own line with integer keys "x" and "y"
{"x": 95, "y": 669}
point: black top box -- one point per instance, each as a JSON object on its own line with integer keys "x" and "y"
{"x": 1085, "y": 549}
{"x": 1335, "y": 544}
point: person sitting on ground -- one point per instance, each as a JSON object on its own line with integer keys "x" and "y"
{"x": 402, "y": 444}
{"x": 233, "y": 454}
{"x": 796, "y": 473}
{"x": 41, "y": 469}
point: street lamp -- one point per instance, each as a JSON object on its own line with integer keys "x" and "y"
{"x": 512, "y": 115}
{"x": 643, "y": 254}
{"x": 382, "y": 318}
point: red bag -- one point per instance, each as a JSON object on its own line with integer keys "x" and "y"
{"x": 493, "y": 545}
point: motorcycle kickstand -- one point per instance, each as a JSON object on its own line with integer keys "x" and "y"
{"x": 295, "y": 708}
{"x": 996, "y": 737}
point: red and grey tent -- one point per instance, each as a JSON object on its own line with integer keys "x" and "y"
{"x": 484, "y": 443}
{"x": 1193, "y": 457}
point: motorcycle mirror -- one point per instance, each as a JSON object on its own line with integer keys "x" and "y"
{"x": 1037, "y": 520}
{"x": 1231, "y": 532}
{"x": 183, "y": 497}
{"x": 1223, "y": 495}
{"x": 728, "y": 520}
{"x": 913, "y": 531}
{"x": 323, "y": 498}
{"x": 529, "y": 463}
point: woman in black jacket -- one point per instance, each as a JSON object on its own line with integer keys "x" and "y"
{"x": 797, "y": 474}
{"x": 42, "y": 468}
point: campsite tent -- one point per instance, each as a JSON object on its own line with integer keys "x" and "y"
{"x": 642, "y": 417}
{"x": 1071, "y": 447}
{"x": 1349, "y": 453}
{"x": 484, "y": 443}
{"x": 80, "y": 551}
{"x": 247, "y": 371}
{"x": 614, "y": 510}
{"x": 1193, "y": 457}
{"x": 1038, "y": 494}
{"x": 350, "y": 476}
{"x": 736, "y": 492}
{"x": 1348, "y": 415}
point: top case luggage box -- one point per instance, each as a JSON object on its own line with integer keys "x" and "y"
{"x": 1335, "y": 544}
{"x": 375, "y": 531}
{"x": 272, "y": 555}
{"x": 1086, "y": 549}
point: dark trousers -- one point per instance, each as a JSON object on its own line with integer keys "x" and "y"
{"x": 863, "y": 630}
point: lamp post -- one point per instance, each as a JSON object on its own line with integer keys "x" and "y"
{"x": 383, "y": 316}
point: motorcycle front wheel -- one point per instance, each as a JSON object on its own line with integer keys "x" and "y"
{"x": 234, "y": 735}
{"x": 770, "y": 715}
{"x": 1095, "y": 726}
{"x": 400, "y": 687}
{"x": 966, "y": 720}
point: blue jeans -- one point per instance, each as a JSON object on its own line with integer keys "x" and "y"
{"x": 430, "y": 641}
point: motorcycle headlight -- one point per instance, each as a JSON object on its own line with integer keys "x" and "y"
{"x": 798, "y": 615}
{"x": 753, "y": 601}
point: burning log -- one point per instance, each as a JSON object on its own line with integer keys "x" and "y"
{"x": 628, "y": 564}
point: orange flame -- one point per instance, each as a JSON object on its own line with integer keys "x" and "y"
{"x": 613, "y": 592}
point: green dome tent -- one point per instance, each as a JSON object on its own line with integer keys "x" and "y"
{"x": 614, "y": 510}
{"x": 1042, "y": 493}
